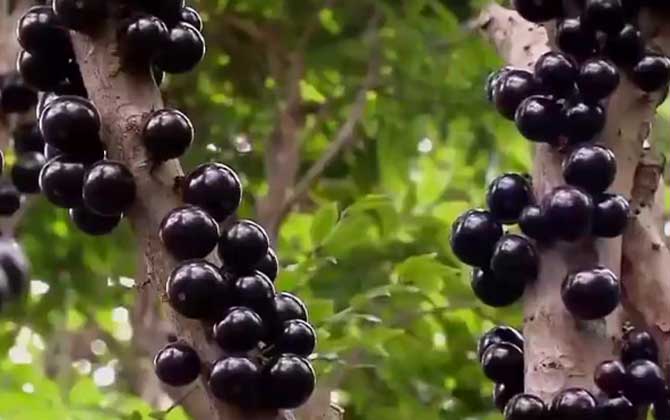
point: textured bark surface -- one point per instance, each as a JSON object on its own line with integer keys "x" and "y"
{"x": 561, "y": 351}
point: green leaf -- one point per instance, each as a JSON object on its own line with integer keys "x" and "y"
{"x": 323, "y": 222}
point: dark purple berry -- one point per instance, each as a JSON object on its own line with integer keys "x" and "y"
{"x": 71, "y": 124}
{"x": 269, "y": 265}
{"x": 626, "y": 47}
{"x": 503, "y": 362}
{"x": 243, "y": 245}
{"x": 573, "y": 404}
{"x": 81, "y": 15}
{"x": 610, "y": 216}
{"x": 286, "y": 307}
{"x": 62, "y": 181}
{"x": 185, "y": 49}
{"x": 239, "y": 331}
{"x": 215, "y": 188}
{"x": 196, "y": 289}
{"x": 236, "y": 380}
{"x": 93, "y": 223}
{"x": 651, "y": 73}
{"x": 39, "y": 32}
{"x": 583, "y": 121}
{"x": 142, "y": 40}
{"x": 297, "y": 337}
{"x": 591, "y": 294}
{"x": 177, "y": 364}
{"x": 591, "y": 168}
{"x": 525, "y": 407}
{"x": 10, "y": 198}
{"x": 167, "y": 134}
{"x": 597, "y": 79}
{"x": 569, "y": 211}
{"x": 576, "y": 39}
{"x": 534, "y": 224}
{"x": 538, "y": 119}
{"x": 645, "y": 382}
{"x": 556, "y": 72}
{"x": 604, "y": 15}
{"x": 638, "y": 345}
{"x": 109, "y": 188}
{"x": 288, "y": 382}
{"x": 473, "y": 237}
{"x": 513, "y": 87}
{"x": 27, "y": 138}
{"x": 610, "y": 377}
{"x": 507, "y": 195}
{"x": 515, "y": 257}
{"x": 538, "y": 10}
{"x": 16, "y": 96}
{"x": 191, "y": 16}
{"x": 503, "y": 393}
{"x": 495, "y": 291}
{"x": 189, "y": 232}
{"x": 40, "y": 71}
{"x": 499, "y": 334}
{"x": 254, "y": 291}
{"x": 618, "y": 408}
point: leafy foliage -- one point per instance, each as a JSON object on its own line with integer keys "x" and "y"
{"x": 367, "y": 247}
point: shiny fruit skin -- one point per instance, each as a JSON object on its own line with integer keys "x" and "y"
{"x": 269, "y": 265}
{"x": 62, "y": 181}
{"x": 177, "y": 364}
{"x": 515, "y": 256}
{"x": 507, "y": 195}
{"x": 534, "y": 224}
{"x": 573, "y": 404}
{"x": 503, "y": 393}
{"x": 496, "y": 292}
{"x": 638, "y": 345}
{"x": 569, "y": 211}
{"x": 286, "y": 307}
{"x": 167, "y": 134}
{"x": 492, "y": 81}
{"x": 191, "y": 16}
{"x": 610, "y": 216}
{"x": 538, "y": 11}
{"x": 576, "y": 39}
{"x": 503, "y": 363}
{"x": 473, "y": 237}
{"x": 92, "y": 223}
{"x": 236, "y": 380}
{"x": 38, "y": 31}
{"x": 555, "y": 72}
{"x": 525, "y": 407}
{"x": 70, "y": 123}
{"x": 41, "y": 72}
{"x": 240, "y": 330}
{"x": 297, "y": 337}
{"x": 538, "y": 118}
{"x": 243, "y": 245}
{"x": 289, "y": 381}
{"x": 597, "y": 79}
{"x": 591, "y": 168}
{"x": 591, "y": 294}
{"x": 81, "y": 15}
{"x": 10, "y": 198}
{"x": 513, "y": 87}
{"x": 214, "y": 187}
{"x": 25, "y": 173}
{"x": 610, "y": 377}
{"x": 185, "y": 50}
{"x": 256, "y": 292}
{"x": 626, "y": 47}
{"x": 142, "y": 40}
{"x": 196, "y": 290}
{"x": 189, "y": 232}
{"x": 651, "y": 73}
{"x": 645, "y": 382}
{"x": 604, "y": 15}
{"x": 499, "y": 334}
{"x": 618, "y": 408}
{"x": 109, "y": 188}
{"x": 583, "y": 121}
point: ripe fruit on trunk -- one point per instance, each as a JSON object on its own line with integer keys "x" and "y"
{"x": 604, "y": 15}
{"x": 538, "y": 10}
{"x": 254, "y": 291}
{"x": 525, "y": 407}
{"x": 534, "y": 224}
{"x": 507, "y": 195}
{"x": 236, "y": 380}
{"x": 515, "y": 257}
{"x": 71, "y": 124}
{"x": 40, "y": 71}
{"x": 167, "y": 134}
{"x": 494, "y": 291}
{"x": 591, "y": 294}
{"x": 626, "y": 47}
{"x": 592, "y": 168}
{"x": 597, "y": 79}
{"x": 638, "y": 345}
{"x": 93, "y": 223}
{"x": 81, "y": 15}
{"x": 610, "y": 377}
{"x": 109, "y": 188}
{"x": 538, "y": 119}
{"x": 652, "y": 72}
{"x": 576, "y": 39}
{"x": 573, "y": 404}
{"x": 569, "y": 212}
{"x": 26, "y": 172}
{"x": 177, "y": 364}
{"x": 610, "y": 216}
{"x": 269, "y": 265}
{"x": 239, "y": 331}
{"x": 142, "y": 40}
{"x": 191, "y": 16}
{"x": 214, "y": 187}
{"x": 473, "y": 237}
{"x": 243, "y": 245}
{"x": 555, "y": 72}
{"x": 189, "y": 232}
{"x": 619, "y": 408}
{"x": 185, "y": 49}
{"x": 27, "y": 138}
{"x": 62, "y": 180}
{"x": 503, "y": 393}
{"x": 499, "y": 334}
{"x": 15, "y": 266}
{"x": 39, "y": 31}
{"x": 15, "y": 95}
{"x": 297, "y": 337}
{"x": 195, "y": 289}
{"x": 583, "y": 121}
{"x": 645, "y": 382}
{"x": 503, "y": 362}
{"x": 288, "y": 382}
{"x": 286, "y": 307}
{"x": 513, "y": 87}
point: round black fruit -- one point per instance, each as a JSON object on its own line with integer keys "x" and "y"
{"x": 569, "y": 211}
{"x": 27, "y": 138}
{"x": 167, "y": 10}
{"x": 538, "y": 10}
{"x": 184, "y": 51}
{"x": 40, "y": 71}
{"x": 576, "y": 39}
{"x": 538, "y": 119}
{"x": 515, "y": 257}
{"x": 269, "y": 265}
{"x": 610, "y": 377}
{"x": 297, "y": 337}
{"x": 81, "y": 15}
{"x": 10, "y": 198}
{"x": 177, "y": 364}
{"x": 638, "y": 345}
{"x": 499, "y": 334}
{"x": 239, "y": 331}
{"x": 591, "y": 294}
{"x": 71, "y": 124}
{"x": 507, "y": 195}
{"x": 597, "y": 79}
{"x": 93, "y": 223}
{"x": 243, "y": 245}
{"x": 503, "y": 393}
{"x": 189, "y": 232}
{"x": 619, "y": 408}
{"x": 167, "y": 134}
{"x": 534, "y": 224}
{"x": 236, "y": 380}
{"x": 26, "y": 172}
{"x": 604, "y": 15}
{"x": 511, "y": 89}
{"x": 573, "y": 404}
{"x": 289, "y": 382}
{"x": 142, "y": 40}
{"x": 39, "y": 32}
{"x": 651, "y": 73}
{"x": 16, "y": 96}
{"x": 503, "y": 362}
{"x": 626, "y": 47}
{"x": 287, "y": 307}
{"x": 555, "y": 72}
{"x": 196, "y": 289}
{"x": 192, "y": 17}
{"x": 645, "y": 382}
{"x": 109, "y": 188}
{"x": 492, "y": 82}
{"x": 583, "y": 121}
{"x": 62, "y": 181}
{"x": 525, "y": 407}
{"x": 494, "y": 291}
{"x": 592, "y": 168}
{"x": 473, "y": 237}
{"x": 610, "y": 216}
{"x": 254, "y": 291}
{"x": 214, "y": 187}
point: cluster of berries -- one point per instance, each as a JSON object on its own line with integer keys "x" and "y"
{"x": 627, "y": 385}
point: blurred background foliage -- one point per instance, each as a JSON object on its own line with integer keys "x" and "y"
{"x": 367, "y": 244}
